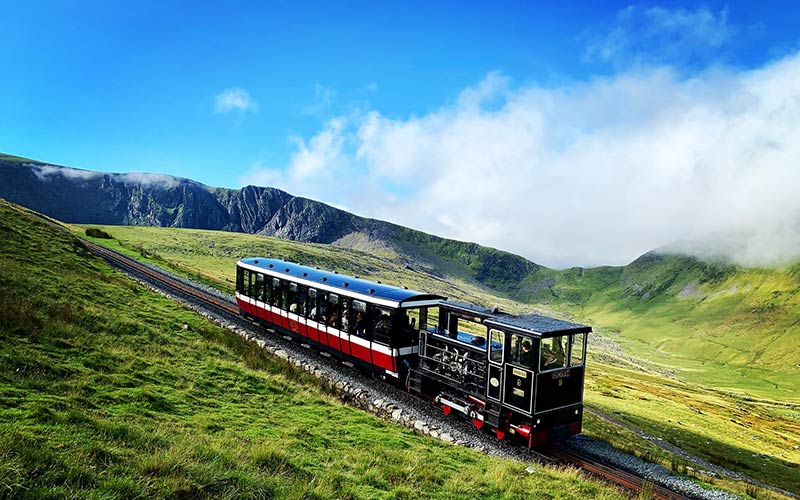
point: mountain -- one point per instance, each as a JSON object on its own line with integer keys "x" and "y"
{"x": 82, "y": 196}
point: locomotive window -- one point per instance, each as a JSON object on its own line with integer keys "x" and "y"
{"x": 430, "y": 320}
{"x": 520, "y": 351}
{"x": 577, "y": 352}
{"x": 496, "y": 346}
{"x": 412, "y": 319}
{"x": 552, "y": 354}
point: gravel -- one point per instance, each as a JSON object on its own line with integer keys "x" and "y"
{"x": 422, "y": 416}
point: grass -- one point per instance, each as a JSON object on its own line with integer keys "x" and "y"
{"x": 111, "y": 391}
{"x": 736, "y": 428}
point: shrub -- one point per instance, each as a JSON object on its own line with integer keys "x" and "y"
{"x": 97, "y": 233}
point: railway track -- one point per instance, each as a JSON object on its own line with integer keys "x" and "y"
{"x": 609, "y": 473}
{"x": 218, "y": 305}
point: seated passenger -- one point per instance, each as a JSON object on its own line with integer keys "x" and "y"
{"x": 548, "y": 359}
{"x": 360, "y": 328}
{"x": 293, "y": 307}
{"x": 526, "y": 356}
{"x": 382, "y": 327}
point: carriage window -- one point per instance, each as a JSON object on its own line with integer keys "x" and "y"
{"x": 382, "y": 319}
{"x": 239, "y": 280}
{"x": 311, "y": 306}
{"x": 347, "y": 314}
{"x": 334, "y": 311}
{"x": 552, "y": 353}
{"x": 359, "y": 325}
{"x": 576, "y": 349}
{"x": 291, "y": 298}
{"x": 250, "y": 286}
{"x": 496, "y": 346}
{"x": 520, "y": 351}
{"x": 259, "y": 288}
{"x": 302, "y": 301}
{"x": 277, "y": 293}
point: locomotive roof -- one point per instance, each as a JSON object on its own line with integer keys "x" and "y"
{"x": 528, "y": 323}
{"x": 536, "y": 323}
{"x": 348, "y": 285}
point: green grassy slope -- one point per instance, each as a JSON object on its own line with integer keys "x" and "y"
{"x": 111, "y": 391}
{"x": 718, "y": 324}
{"x": 757, "y": 436}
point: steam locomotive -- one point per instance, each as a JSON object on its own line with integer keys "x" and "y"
{"x": 519, "y": 375}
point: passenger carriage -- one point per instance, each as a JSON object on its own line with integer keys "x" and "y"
{"x": 371, "y": 324}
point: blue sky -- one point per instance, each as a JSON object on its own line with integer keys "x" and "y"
{"x": 348, "y": 102}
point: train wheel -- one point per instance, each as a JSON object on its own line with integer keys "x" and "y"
{"x": 446, "y": 409}
{"x": 477, "y": 423}
{"x": 500, "y": 434}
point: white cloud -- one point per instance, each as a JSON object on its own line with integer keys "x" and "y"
{"x": 322, "y": 100}
{"x": 235, "y": 99}
{"x": 656, "y": 34}
{"x": 46, "y": 172}
{"x": 147, "y": 179}
{"x": 596, "y": 172}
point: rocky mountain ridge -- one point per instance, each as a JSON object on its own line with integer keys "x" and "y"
{"x": 82, "y": 196}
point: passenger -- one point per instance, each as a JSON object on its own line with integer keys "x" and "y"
{"x": 549, "y": 359}
{"x": 382, "y": 327}
{"x": 360, "y": 328}
{"x": 293, "y": 308}
{"x": 334, "y": 318}
{"x": 346, "y": 320}
{"x": 526, "y": 357}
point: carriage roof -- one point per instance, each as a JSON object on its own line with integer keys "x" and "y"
{"x": 332, "y": 281}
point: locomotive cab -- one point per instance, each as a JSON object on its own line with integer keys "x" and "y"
{"x": 523, "y": 375}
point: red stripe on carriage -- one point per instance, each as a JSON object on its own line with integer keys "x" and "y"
{"x": 361, "y": 352}
{"x": 313, "y": 333}
{"x": 333, "y": 341}
{"x": 383, "y": 360}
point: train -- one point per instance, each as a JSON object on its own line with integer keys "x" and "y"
{"x": 519, "y": 376}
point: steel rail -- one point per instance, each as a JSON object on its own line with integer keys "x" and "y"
{"x": 564, "y": 455}
{"x": 618, "y": 476}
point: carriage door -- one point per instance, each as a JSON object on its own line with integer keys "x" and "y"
{"x": 494, "y": 387}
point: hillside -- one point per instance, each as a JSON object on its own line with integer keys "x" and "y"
{"x": 112, "y": 391}
{"x": 757, "y": 436}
